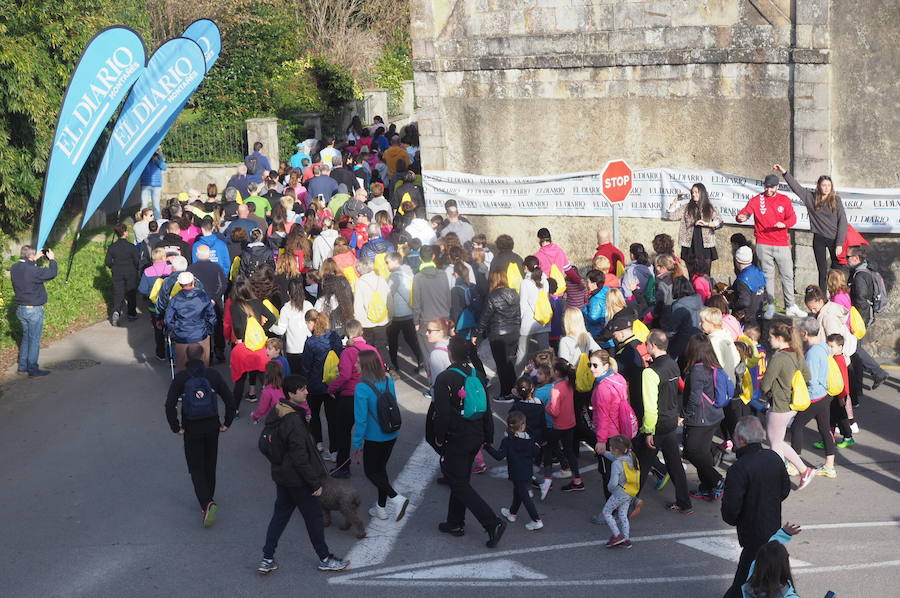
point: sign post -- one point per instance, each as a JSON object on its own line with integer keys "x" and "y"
{"x": 615, "y": 181}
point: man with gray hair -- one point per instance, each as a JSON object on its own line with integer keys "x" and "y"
{"x": 376, "y": 244}
{"x": 240, "y": 180}
{"x": 755, "y": 486}
{"x": 31, "y": 296}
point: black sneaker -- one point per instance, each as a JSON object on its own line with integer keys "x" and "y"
{"x": 38, "y": 373}
{"x": 879, "y": 381}
{"x": 452, "y": 529}
{"x": 495, "y": 533}
{"x": 573, "y": 487}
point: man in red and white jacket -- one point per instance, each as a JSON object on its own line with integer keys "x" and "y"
{"x": 773, "y": 215}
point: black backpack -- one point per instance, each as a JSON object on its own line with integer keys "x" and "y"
{"x": 268, "y": 444}
{"x": 252, "y": 163}
{"x": 199, "y": 400}
{"x": 387, "y": 409}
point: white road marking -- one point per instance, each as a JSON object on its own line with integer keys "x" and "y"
{"x": 381, "y": 535}
{"x": 499, "y": 569}
{"x": 726, "y": 547}
{"x": 366, "y": 577}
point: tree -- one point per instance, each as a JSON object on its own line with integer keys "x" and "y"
{"x": 40, "y": 43}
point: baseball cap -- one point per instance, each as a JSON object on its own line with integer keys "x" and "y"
{"x": 617, "y": 324}
{"x": 771, "y": 180}
{"x": 185, "y": 279}
{"x": 744, "y": 255}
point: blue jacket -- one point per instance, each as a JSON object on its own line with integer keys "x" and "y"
{"x": 519, "y": 452}
{"x": 365, "y": 410}
{"x": 190, "y": 316}
{"x": 218, "y": 250}
{"x": 262, "y": 163}
{"x": 817, "y": 360}
{"x": 163, "y": 299}
{"x": 315, "y": 350}
{"x": 374, "y": 247}
{"x": 787, "y": 591}
{"x": 595, "y": 312}
{"x": 322, "y": 185}
{"x": 697, "y": 409}
{"x": 297, "y": 159}
{"x": 28, "y": 281}
{"x": 152, "y": 175}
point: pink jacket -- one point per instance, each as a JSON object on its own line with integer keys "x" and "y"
{"x": 605, "y": 400}
{"x": 269, "y": 398}
{"x": 348, "y": 375}
{"x": 552, "y": 254}
{"x": 158, "y": 269}
{"x": 843, "y": 298}
{"x": 562, "y": 405}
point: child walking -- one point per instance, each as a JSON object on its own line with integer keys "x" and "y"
{"x": 842, "y": 416}
{"x": 519, "y": 449}
{"x": 272, "y": 394}
{"x": 532, "y": 410}
{"x": 622, "y": 491}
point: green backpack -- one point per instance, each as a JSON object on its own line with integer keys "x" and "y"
{"x": 474, "y": 399}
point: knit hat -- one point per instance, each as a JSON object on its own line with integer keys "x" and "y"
{"x": 744, "y": 255}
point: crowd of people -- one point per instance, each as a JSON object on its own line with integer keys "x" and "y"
{"x": 304, "y": 278}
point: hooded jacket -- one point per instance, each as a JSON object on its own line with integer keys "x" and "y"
{"x": 366, "y": 287}
{"x": 431, "y": 295}
{"x": 218, "y": 250}
{"x": 833, "y": 320}
{"x": 501, "y": 314}
{"x": 163, "y": 299}
{"x": 749, "y": 294}
{"x": 190, "y": 316}
{"x": 374, "y": 247}
{"x": 608, "y": 393}
{"x": 528, "y": 296}
{"x": 552, "y": 254}
{"x": 698, "y": 409}
{"x": 323, "y": 247}
{"x": 399, "y": 284}
{"x": 776, "y": 382}
{"x": 300, "y": 466}
{"x": 348, "y": 374}
{"x": 595, "y": 311}
{"x": 315, "y": 350}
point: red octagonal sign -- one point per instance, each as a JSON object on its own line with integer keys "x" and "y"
{"x": 616, "y": 180}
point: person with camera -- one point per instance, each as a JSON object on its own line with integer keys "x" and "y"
{"x": 30, "y": 296}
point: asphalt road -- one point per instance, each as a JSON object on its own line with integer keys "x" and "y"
{"x": 96, "y": 501}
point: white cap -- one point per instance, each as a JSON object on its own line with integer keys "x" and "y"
{"x": 744, "y": 255}
{"x": 185, "y": 279}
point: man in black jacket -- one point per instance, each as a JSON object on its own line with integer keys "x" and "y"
{"x": 298, "y": 475}
{"x": 862, "y": 295}
{"x": 755, "y": 486}
{"x": 200, "y": 425}
{"x": 173, "y": 243}
{"x": 214, "y": 283}
{"x": 343, "y": 175}
{"x": 459, "y": 439}
{"x": 122, "y": 259}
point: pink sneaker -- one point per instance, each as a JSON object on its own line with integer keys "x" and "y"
{"x": 806, "y": 477}
{"x": 615, "y": 541}
{"x": 479, "y": 468}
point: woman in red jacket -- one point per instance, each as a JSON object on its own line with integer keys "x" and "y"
{"x": 610, "y": 389}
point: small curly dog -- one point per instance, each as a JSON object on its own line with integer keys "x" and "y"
{"x": 340, "y": 495}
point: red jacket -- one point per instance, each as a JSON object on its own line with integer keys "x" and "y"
{"x": 612, "y": 253}
{"x": 767, "y": 212}
{"x": 562, "y": 405}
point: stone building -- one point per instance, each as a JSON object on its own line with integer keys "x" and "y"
{"x": 530, "y": 87}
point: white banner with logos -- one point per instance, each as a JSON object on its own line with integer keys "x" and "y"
{"x": 578, "y": 194}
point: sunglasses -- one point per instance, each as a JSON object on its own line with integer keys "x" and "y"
{"x": 427, "y": 330}
{"x": 596, "y": 365}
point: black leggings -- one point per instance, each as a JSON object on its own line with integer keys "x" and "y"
{"x": 839, "y": 418}
{"x": 343, "y": 429}
{"x": 316, "y": 402}
{"x": 239, "y": 388}
{"x": 375, "y": 458}
{"x": 553, "y": 438}
{"x": 734, "y": 410}
{"x": 521, "y": 497}
{"x": 698, "y": 450}
{"x": 819, "y": 245}
{"x": 820, "y": 411}
{"x": 503, "y": 350}
{"x": 408, "y": 329}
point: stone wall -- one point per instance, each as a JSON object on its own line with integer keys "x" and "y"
{"x": 530, "y": 87}
{"x": 196, "y": 176}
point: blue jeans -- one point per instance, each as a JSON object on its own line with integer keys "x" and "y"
{"x": 151, "y": 195}
{"x": 32, "y": 320}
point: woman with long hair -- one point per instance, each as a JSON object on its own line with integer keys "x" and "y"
{"x": 697, "y": 230}
{"x": 577, "y": 340}
{"x": 335, "y": 295}
{"x": 776, "y": 386}
{"x": 321, "y": 342}
{"x": 827, "y": 219}
{"x": 244, "y": 362}
{"x": 368, "y": 436}
{"x": 638, "y": 277}
{"x": 343, "y": 388}
{"x": 533, "y": 335}
{"x": 701, "y": 416}
{"x": 501, "y": 320}
{"x": 292, "y": 323}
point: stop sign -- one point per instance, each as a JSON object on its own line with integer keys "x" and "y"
{"x": 616, "y": 180}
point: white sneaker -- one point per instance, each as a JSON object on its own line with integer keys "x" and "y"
{"x": 509, "y": 516}
{"x": 533, "y": 525}
{"x": 320, "y": 447}
{"x": 398, "y": 505}
{"x": 795, "y": 312}
{"x": 378, "y": 513}
{"x": 562, "y": 474}
{"x": 329, "y": 456}
{"x": 770, "y": 312}
{"x": 545, "y": 487}
{"x": 854, "y": 427}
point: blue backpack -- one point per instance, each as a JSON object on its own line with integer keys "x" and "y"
{"x": 199, "y": 400}
{"x": 723, "y": 386}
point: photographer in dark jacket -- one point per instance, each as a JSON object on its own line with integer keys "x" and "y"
{"x": 862, "y": 296}
{"x": 755, "y": 486}
{"x": 501, "y": 318}
{"x": 28, "y": 285}
{"x": 459, "y": 439}
{"x": 298, "y": 476}
{"x": 122, "y": 258}
{"x": 201, "y": 436}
